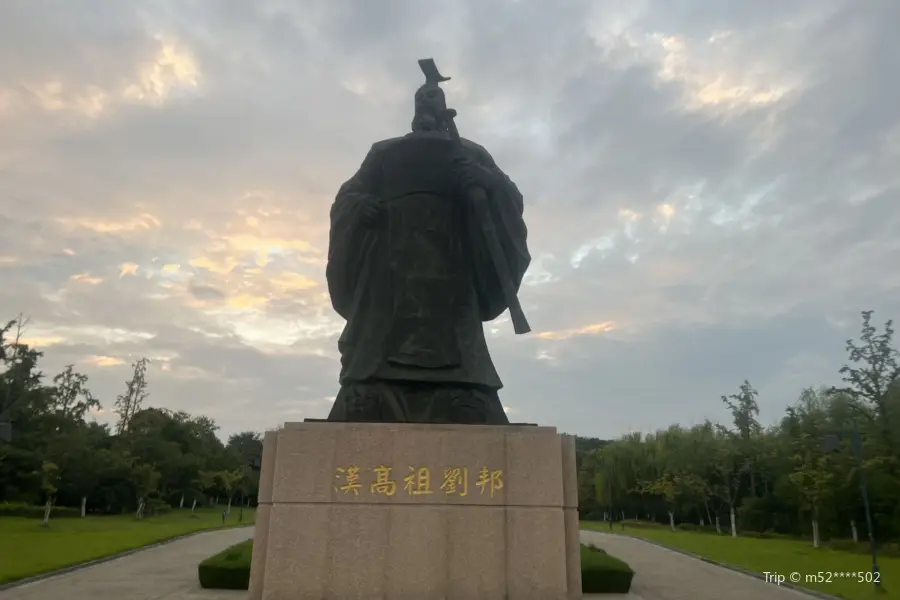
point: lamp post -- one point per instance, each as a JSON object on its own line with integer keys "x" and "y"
{"x": 832, "y": 444}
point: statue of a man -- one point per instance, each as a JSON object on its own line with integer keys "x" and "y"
{"x": 411, "y": 272}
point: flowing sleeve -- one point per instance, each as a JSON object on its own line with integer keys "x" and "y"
{"x": 349, "y": 239}
{"x": 506, "y": 207}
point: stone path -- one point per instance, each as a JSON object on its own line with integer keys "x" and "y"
{"x": 167, "y": 572}
{"x": 661, "y": 574}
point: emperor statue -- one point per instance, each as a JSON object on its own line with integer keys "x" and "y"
{"x": 427, "y": 243}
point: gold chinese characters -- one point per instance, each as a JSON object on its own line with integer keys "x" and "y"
{"x": 417, "y": 481}
{"x": 383, "y": 483}
{"x": 350, "y": 477}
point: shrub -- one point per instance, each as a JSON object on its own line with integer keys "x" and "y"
{"x": 227, "y": 570}
{"x": 156, "y": 507}
{"x": 602, "y": 573}
{"x": 30, "y": 511}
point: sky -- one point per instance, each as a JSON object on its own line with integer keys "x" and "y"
{"x": 711, "y": 191}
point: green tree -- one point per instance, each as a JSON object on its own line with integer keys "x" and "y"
{"x": 229, "y": 481}
{"x": 49, "y": 480}
{"x": 71, "y": 398}
{"x": 870, "y": 377}
{"x": 145, "y": 480}
{"x": 745, "y": 411}
{"x": 130, "y": 403}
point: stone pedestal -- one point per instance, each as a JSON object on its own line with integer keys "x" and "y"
{"x": 416, "y": 512}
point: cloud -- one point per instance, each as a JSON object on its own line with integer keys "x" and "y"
{"x": 711, "y": 191}
{"x": 593, "y": 329}
{"x": 104, "y": 361}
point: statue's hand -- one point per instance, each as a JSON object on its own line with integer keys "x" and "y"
{"x": 471, "y": 174}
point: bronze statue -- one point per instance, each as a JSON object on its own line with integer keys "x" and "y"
{"x": 427, "y": 242}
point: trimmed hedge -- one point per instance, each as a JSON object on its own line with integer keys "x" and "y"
{"x": 227, "y": 570}
{"x": 600, "y": 572}
{"x": 31, "y": 511}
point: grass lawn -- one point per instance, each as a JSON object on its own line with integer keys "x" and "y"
{"x": 29, "y": 549}
{"x": 776, "y": 555}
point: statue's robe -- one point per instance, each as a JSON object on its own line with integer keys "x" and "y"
{"x": 416, "y": 285}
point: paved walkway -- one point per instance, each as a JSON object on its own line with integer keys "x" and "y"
{"x": 661, "y": 574}
{"x": 167, "y": 572}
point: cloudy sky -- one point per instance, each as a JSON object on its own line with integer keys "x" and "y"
{"x": 711, "y": 191}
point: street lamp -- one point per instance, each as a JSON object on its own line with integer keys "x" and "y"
{"x": 832, "y": 443}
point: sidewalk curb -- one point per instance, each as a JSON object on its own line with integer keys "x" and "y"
{"x": 111, "y": 557}
{"x": 742, "y": 571}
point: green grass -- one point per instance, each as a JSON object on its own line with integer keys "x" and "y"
{"x": 776, "y": 555}
{"x": 230, "y": 570}
{"x": 29, "y": 549}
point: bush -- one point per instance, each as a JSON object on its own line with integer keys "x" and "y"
{"x": 156, "y": 507}
{"x": 227, "y": 570}
{"x": 602, "y": 573}
{"x": 31, "y": 511}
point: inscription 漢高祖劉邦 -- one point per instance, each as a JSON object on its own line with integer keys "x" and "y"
{"x": 417, "y": 481}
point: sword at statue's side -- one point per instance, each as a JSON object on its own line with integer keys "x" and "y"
{"x": 479, "y": 200}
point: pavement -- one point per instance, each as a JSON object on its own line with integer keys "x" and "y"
{"x": 169, "y": 572}
{"x": 662, "y": 574}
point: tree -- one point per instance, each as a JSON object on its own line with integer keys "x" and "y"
{"x": 49, "y": 480}
{"x": 207, "y": 481}
{"x": 778, "y": 478}
{"x": 84, "y": 474}
{"x": 20, "y": 378}
{"x": 744, "y": 411}
{"x": 9, "y": 355}
{"x": 672, "y": 489}
{"x": 57, "y": 455}
{"x": 130, "y": 403}
{"x": 145, "y": 479}
{"x": 728, "y": 466}
{"x": 71, "y": 398}
{"x": 248, "y": 445}
{"x": 872, "y": 371}
{"x": 229, "y": 480}
{"x": 813, "y": 480}
{"x": 812, "y": 474}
